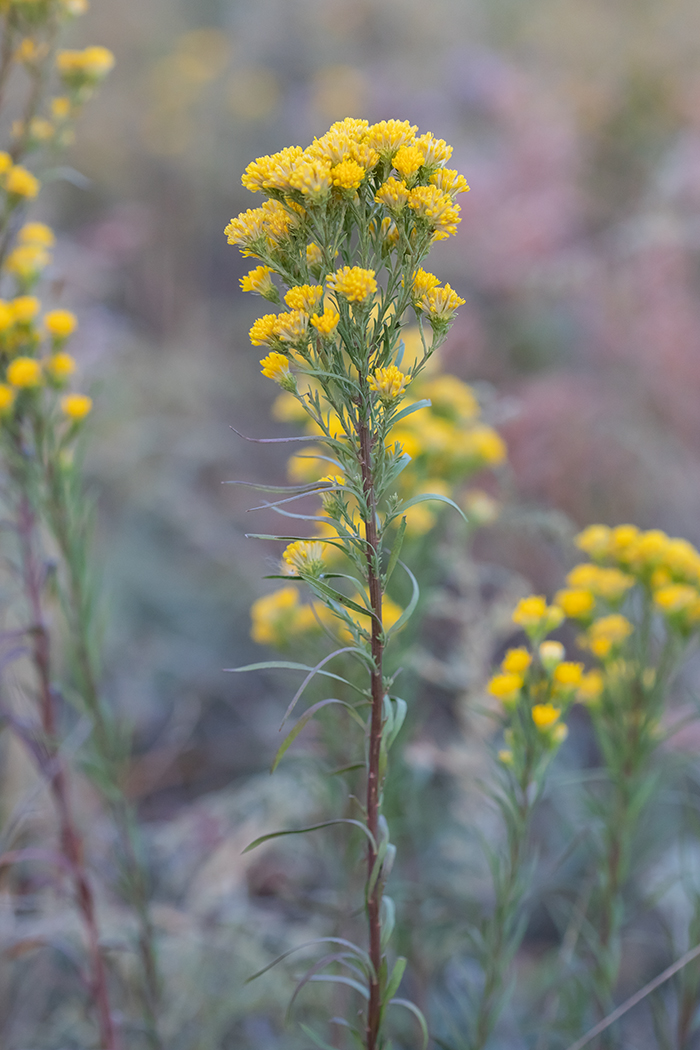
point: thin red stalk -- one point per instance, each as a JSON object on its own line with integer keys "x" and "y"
{"x": 71, "y": 842}
{"x": 374, "y": 899}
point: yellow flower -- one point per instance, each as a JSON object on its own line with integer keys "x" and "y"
{"x": 535, "y": 616}
{"x": 292, "y": 327}
{"x": 436, "y": 150}
{"x": 590, "y": 687}
{"x": 36, "y": 233}
{"x": 545, "y": 715}
{"x": 575, "y": 602}
{"x": 505, "y": 755}
{"x": 604, "y": 636}
{"x": 259, "y": 281}
{"x": 423, "y": 282}
{"x": 304, "y": 557}
{"x": 24, "y": 372}
{"x": 679, "y": 601}
{"x": 408, "y": 160}
{"x": 60, "y": 366}
{"x": 595, "y": 541}
{"x": 388, "y": 382}
{"x": 436, "y": 208}
{"x": 5, "y": 162}
{"x": 25, "y": 308}
{"x": 506, "y": 687}
{"x": 312, "y": 178}
{"x": 27, "y": 261}
{"x": 325, "y": 323}
{"x": 348, "y": 175}
{"x": 259, "y": 227}
{"x": 76, "y": 406}
{"x": 61, "y": 324}
{"x": 265, "y": 330}
{"x": 306, "y": 297}
{"x": 449, "y": 181}
{"x": 353, "y": 283}
{"x": 568, "y": 675}
{"x": 7, "y": 398}
{"x": 272, "y": 172}
{"x": 21, "y": 183}
{"x": 440, "y": 304}
{"x": 516, "y": 660}
{"x": 276, "y": 366}
{"x": 89, "y": 65}
{"x": 388, "y": 136}
{"x": 393, "y": 195}
{"x": 7, "y": 316}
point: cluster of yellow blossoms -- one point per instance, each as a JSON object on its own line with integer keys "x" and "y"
{"x": 633, "y": 577}
{"x": 33, "y": 350}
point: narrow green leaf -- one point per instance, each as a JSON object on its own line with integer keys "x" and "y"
{"x": 312, "y": 827}
{"x": 388, "y": 921}
{"x": 410, "y": 409}
{"x": 395, "y": 979}
{"x": 424, "y": 496}
{"x": 408, "y": 611}
{"x": 341, "y": 979}
{"x": 318, "y": 670}
{"x": 288, "y": 665}
{"x": 418, "y": 1014}
{"x": 360, "y": 953}
{"x": 304, "y": 720}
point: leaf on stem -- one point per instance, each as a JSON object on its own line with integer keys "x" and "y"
{"x": 312, "y": 827}
{"x": 418, "y": 1014}
{"x": 304, "y": 720}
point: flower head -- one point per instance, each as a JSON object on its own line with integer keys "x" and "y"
{"x": 276, "y": 366}
{"x": 353, "y": 283}
{"x": 348, "y": 175}
{"x": 516, "y": 660}
{"x": 265, "y": 330}
{"x": 393, "y": 195}
{"x": 408, "y": 160}
{"x": 25, "y": 308}
{"x": 389, "y": 383}
{"x": 436, "y": 209}
{"x": 21, "y": 183}
{"x": 36, "y": 233}
{"x": 327, "y": 322}
{"x": 506, "y": 687}
{"x": 388, "y": 136}
{"x": 76, "y": 406}
{"x": 535, "y": 616}
{"x": 305, "y": 297}
{"x": 61, "y": 324}
{"x": 259, "y": 281}
{"x": 24, "y": 373}
{"x": 304, "y": 557}
{"x": 60, "y": 366}
{"x": 545, "y": 715}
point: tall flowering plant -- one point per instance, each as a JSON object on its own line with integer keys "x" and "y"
{"x": 47, "y": 516}
{"x": 345, "y": 229}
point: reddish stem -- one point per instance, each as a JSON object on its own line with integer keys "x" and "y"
{"x": 374, "y": 899}
{"x": 70, "y": 839}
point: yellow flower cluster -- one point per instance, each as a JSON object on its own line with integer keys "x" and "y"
{"x": 626, "y": 557}
{"x": 18, "y": 183}
{"x": 389, "y": 383}
{"x": 535, "y": 687}
{"x": 79, "y": 69}
{"x": 278, "y": 618}
{"x": 26, "y": 370}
